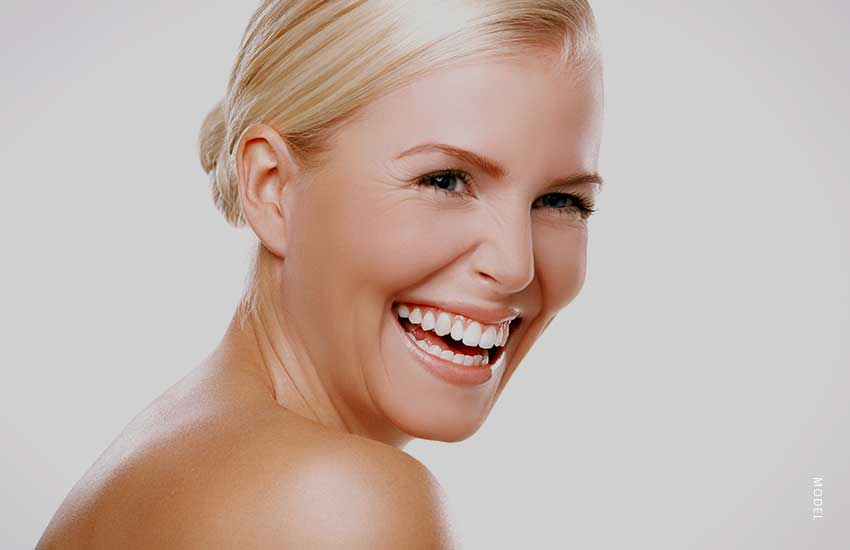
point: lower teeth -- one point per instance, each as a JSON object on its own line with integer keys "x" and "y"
{"x": 448, "y": 355}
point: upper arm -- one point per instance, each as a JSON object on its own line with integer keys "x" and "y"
{"x": 362, "y": 498}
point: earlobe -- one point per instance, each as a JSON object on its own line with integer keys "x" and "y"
{"x": 264, "y": 168}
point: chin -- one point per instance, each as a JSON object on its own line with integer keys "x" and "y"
{"x": 436, "y": 427}
{"x": 431, "y": 415}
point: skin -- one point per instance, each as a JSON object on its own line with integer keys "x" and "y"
{"x": 292, "y": 430}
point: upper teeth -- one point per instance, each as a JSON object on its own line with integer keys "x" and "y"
{"x": 460, "y": 328}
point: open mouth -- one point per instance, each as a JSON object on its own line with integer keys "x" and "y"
{"x": 452, "y": 337}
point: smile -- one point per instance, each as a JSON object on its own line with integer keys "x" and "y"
{"x": 455, "y": 347}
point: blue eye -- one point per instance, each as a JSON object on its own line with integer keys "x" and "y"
{"x": 567, "y": 203}
{"x": 446, "y": 181}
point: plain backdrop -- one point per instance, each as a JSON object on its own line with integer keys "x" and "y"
{"x": 684, "y": 400}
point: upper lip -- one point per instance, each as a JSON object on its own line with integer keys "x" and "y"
{"x": 491, "y": 315}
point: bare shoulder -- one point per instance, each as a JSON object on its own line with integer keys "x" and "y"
{"x": 200, "y": 469}
{"x": 328, "y": 491}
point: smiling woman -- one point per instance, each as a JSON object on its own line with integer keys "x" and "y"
{"x": 419, "y": 176}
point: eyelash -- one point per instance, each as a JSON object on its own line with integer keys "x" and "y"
{"x": 581, "y": 202}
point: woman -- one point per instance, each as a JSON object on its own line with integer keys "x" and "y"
{"x": 419, "y": 176}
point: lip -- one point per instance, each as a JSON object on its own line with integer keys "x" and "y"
{"x": 483, "y": 314}
{"x": 458, "y": 375}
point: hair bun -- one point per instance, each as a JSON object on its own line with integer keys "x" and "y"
{"x": 212, "y": 137}
{"x": 215, "y": 160}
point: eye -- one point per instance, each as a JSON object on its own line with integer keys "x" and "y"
{"x": 452, "y": 182}
{"x": 574, "y": 205}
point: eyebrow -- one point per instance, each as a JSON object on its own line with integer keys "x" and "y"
{"x": 493, "y": 168}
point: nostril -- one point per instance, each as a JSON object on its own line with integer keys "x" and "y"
{"x": 488, "y": 276}
{"x": 508, "y": 280}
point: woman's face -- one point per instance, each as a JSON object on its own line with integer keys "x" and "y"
{"x": 486, "y": 240}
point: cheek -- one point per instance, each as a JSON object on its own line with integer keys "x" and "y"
{"x": 560, "y": 257}
{"x": 362, "y": 235}
{"x": 407, "y": 243}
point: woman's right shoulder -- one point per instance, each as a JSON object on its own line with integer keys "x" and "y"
{"x": 289, "y": 483}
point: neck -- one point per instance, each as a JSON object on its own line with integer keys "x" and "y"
{"x": 267, "y": 344}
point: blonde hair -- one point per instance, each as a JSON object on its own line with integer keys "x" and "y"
{"x": 305, "y": 67}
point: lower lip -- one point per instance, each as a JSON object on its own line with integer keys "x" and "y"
{"x": 459, "y": 375}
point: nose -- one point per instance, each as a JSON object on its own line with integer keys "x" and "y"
{"x": 504, "y": 259}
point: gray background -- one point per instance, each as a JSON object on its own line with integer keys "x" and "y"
{"x": 684, "y": 400}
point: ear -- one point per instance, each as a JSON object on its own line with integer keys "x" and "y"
{"x": 265, "y": 169}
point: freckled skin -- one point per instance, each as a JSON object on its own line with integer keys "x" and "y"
{"x": 319, "y": 370}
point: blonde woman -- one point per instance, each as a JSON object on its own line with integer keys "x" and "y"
{"x": 419, "y": 176}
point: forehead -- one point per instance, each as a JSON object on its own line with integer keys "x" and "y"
{"x": 526, "y": 107}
